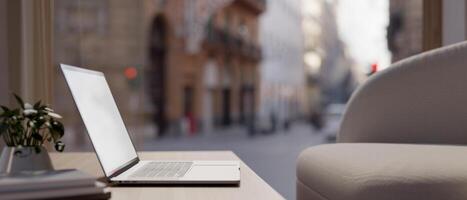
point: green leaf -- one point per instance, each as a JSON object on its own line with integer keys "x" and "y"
{"x": 3, "y": 128}
{"x": 58, "y": 127}
{"x": 37, "y": 105}
{"x": 37, "y": 136}
{"x": 41, "y": 113}
{"x": 56, "y": 130}
{"x": 54, "y": 134}
{"x": 59, "y": 146}
{"x": 5, "y": 109}
{"x": 19, "y": 100}
{"x": 15, "y": 112}
{"x": 7, "y": 114}
{"x": 39, "y": 123}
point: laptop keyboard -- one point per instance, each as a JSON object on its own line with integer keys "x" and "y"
{"x": 163, "y": 170}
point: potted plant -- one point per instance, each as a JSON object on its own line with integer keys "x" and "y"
{"x": 25, "y": 130}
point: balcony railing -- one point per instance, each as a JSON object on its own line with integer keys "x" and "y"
{"x": 258, "y": 5}
{"x": 223, "y": 40}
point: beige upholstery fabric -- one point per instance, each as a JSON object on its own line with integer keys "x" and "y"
{"x": 382, "y": 172}
{"x": 304, "y": 192}
{"x": 422, "y": 99}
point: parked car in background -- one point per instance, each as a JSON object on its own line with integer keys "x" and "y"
{"x": 333, "y": 115}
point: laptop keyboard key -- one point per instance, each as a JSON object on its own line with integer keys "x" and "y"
{"x": 163, "y": 170}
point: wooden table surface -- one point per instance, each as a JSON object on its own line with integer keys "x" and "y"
{"x": 251, "y": 185}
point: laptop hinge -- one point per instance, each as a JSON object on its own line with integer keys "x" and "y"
{"x": 124, "y": 168}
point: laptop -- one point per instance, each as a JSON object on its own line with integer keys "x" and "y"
{"x": 115, "y": 150}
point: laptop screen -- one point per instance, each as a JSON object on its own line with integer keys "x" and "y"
{"x": 101, "y": 117}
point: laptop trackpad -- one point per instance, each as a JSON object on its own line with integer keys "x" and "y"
{"x": 213, "y": 172}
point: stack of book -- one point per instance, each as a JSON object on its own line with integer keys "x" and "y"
{"x": 60, "y": 184}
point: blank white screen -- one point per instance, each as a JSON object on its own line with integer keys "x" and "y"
{"x": 101, "y": 117}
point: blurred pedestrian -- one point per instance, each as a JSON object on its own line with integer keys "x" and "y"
{"x": 273, "y": 119}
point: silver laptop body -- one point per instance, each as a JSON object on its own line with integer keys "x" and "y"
{"x": 115, "y": 150}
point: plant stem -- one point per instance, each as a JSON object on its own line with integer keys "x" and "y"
{"x": 44, "y": 136}
{"x": 7, "y": 140}
{"x": 24, "y": 136}
{"x": 11, "y": 137}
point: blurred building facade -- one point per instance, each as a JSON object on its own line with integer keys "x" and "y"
{"x": 231, "y": 74}
{"x": 187, "y": 66}
{"x": 405, "y": 30}
{"x": 331, "y": 73}
{"x": 282, "y": 68}
{"x": 100, "y": 35}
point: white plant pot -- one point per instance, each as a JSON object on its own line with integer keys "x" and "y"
{"x": 19, "y": 159}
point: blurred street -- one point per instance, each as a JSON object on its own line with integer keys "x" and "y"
{"x": 272, "y": 156}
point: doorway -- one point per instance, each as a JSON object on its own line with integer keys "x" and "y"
{"x": 226, "y": 120}
{"x": 156, "y": 76}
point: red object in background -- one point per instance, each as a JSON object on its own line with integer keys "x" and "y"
{"x": 131, "y": 73}
{"x": 192, "y": 125}
{"x": 374, "y": 68}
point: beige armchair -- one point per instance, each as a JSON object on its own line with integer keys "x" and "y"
{"x": 401, "y": 136}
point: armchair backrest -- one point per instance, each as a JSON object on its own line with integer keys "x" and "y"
{"x": 422, "y": 99}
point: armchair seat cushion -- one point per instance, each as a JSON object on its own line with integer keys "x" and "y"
{"x": 364, "y": 171}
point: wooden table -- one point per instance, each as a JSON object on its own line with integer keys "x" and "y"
{"x": 251, "y": 185}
